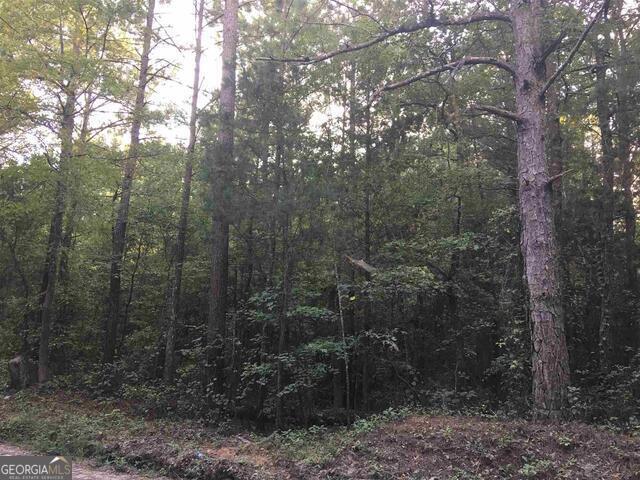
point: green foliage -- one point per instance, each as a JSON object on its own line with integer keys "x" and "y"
{"x": 323, "y": 346}
{"x": 612, "y": 400}
{"x": 534, "y": 468}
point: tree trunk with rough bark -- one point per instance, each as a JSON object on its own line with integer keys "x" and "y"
{"x": 176, "y": 285}
{"x": 538, "y": 241}
{"x": 220, "y": 162}
{"x": 122, "y": 212}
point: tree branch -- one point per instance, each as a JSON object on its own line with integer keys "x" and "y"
{"x": 499, "y": 112}
{"x": 574, "y": 50}
{"x": 553, "y": 46}
{"x": 407, "y": 27}
{"x": 448, "y": 67}
{"x": 558, "y": 176}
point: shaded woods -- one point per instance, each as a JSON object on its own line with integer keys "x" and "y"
{"x": 402, "y": 203}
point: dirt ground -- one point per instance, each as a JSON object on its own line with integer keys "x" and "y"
{"x": 439, "y": 448}
{"x": 416, "y": 448}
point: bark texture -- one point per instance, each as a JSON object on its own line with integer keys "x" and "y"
{"x": 538, "y": 241}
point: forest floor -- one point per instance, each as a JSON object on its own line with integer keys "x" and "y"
{"x": 394, "y": 445}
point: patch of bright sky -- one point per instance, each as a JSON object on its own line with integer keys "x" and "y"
{"x": 176, "y": 20}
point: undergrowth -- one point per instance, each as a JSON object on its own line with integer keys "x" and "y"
{"x": 317, "y": 445}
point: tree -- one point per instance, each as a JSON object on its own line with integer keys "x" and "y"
{"x": 220, "y": 161}
{"x": 607, "y": 201}
{"x": 55, "y": 233}
{"x": 175, "y": 287}
{"x": 538, "y": 241}
{"x": 122, "y": 210}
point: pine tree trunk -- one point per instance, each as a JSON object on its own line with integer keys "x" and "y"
{"x": 176, "y": 286}
{"x": 220, "y": 187}
{"x": 624, "y": 113}
{"x": 367, "y": 314}
{"x": 122, "y": 212}
{"x": 538, "y": 241}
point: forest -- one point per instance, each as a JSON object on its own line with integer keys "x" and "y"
{"x": 297, "y": 215}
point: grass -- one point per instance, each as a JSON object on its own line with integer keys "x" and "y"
{"x": 48, "y": 427}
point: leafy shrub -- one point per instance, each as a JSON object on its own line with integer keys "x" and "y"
{"x": 613, "y": 398}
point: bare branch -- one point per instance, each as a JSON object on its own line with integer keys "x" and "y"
{"x": 447, "y": 67}
{"x": 407, "y": 27}
{"x": 475, "y": 18}
{"x": 574, "y": 50}
{"x": 559, "y": 175}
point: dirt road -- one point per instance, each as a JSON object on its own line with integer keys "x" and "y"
{"x": 82, "y": 470}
